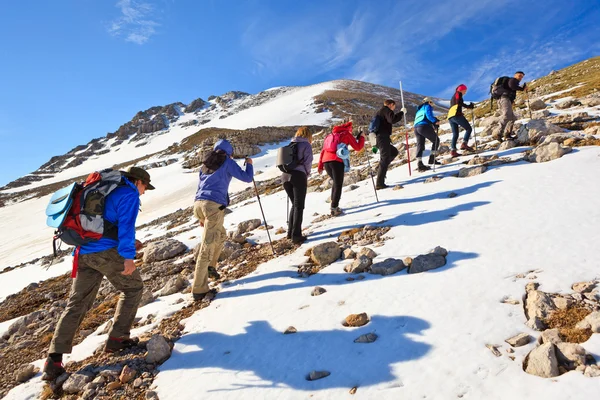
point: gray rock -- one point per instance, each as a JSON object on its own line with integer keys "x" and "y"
{"x": 158, "y": 349}
{"x": 314, "y": 375}
{"x": 89, "y": 394}
{"x": 507, "y": 144}
{"x": 387, "y": 267}
{"x": 174, "y": 285}
{"x": 348, "y": 254}
{"x": 541, "y": 114}
{"x": 550, "y": 336}
{"x": 151, "y": 395}
{"x": 75, "y": 383}
{"x": 163, "y": 250}
{"x": 440, "y": 251}
{"x": 562, "y": 303}
{"x": 472, "y": 171}
{"x": 592, "y": 371}
{"x": 538, "y": 304}
{"x": 248, "y": 226}
{"x": 426, "y": 262}
{"x": 325, "y": 253}
{"x": 25, "y": 373}
{"x": 536, "y": 324}
{"x": 583, "y": 287}
{"x": 536, "y": 130}
{"x": 519, "y": 340}
{"x": 361, "y": 264}
{"x": 147, "y": 298}
{"x": 365, "y": 251}
{"x": 317, "y": 291}
{"x": 537, "y": 104}
{"x": 229, "y": 248}
{"x": 570, "y": 355}
{"x": 367, "y": 338}
{"x": 542, "y": 361}
{"x": 290, "y": 330}
{"x": 568, "y": 104}
{"x": 592, "y": 321}
{"x": 548, "y": 152}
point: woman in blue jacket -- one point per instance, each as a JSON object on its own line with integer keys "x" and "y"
{"x": 211, "y": 200}
{"x": 424, "y": 129}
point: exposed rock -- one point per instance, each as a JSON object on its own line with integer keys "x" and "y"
{"x": 548, "y": 152}
{"x": 248, "y": 226}
{"x": 317, "y": 291}
{"x": 541, "y": 114}
{"x": 75, "y": 383}
{"x": 537, "y": 104}
{"x": 127, "y": 374}
{"x": 365, "y": 251}
{"x": 367, "y": 338}
{"x": 592, "y": 371}
{"x": 114, "y": 386}
{"x": 229, "y": 248}
{"x": 494, "y": 349}
{"x": 361, "y": 264}
{"x": 542, "y": 361}
{"x": 173, "y": 285}
{"x": 290, "y": 330}
{"x": 433, "y": 178}
{"x": 535, "y": 130}
{"x": 314, "y": 375}
{"x": 519, "y": 340}
{"x": 151, "y": 395}
{"x": 472, "y": 171}
{"x": 348, "y": 254}
{"x": 426, "y": 262}
{"x": 592, "y": 321}
{"x": 507, "y": 144}
{"x": 568, "y": 104}
{"x": 583, "y": 287}
{"x": 452, "y": 195}
{"x": 163, "y": 250}
{"x": 550, "y": 336}
{"x": 147, "y": 298}
{"x": 387, "y": 267}
{"x": 562, "y": 303}
{"x": 355, "y": 320}
{"x": 440, "y": 251}
{"x": 158, "y": 349}
{"x": 26, "y": 373}
{"x": 325, "y": 253}
{"x": 538, "y": 304}
{"x": 195, "y": 105}
{"x": 570, "y": 355}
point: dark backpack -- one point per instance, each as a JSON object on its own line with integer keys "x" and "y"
{"x": 287, "y": 157}
{"x": 499, "y": 87}
{"x": 77, "y": 211}
{"x": 374, "y": 124}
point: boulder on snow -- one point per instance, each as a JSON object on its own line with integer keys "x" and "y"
{"x": 591, "y": 101}
{"x": 163, "y": 250}
{"x": 75, "y": 383}
{"x": 229, "y": 248}
{"x": 537, "y": 104}
{"x": 158, "y": 349}
{"x": 570, "y": 355}
{"x": 317, "y": 291}
{"x": 472, "y": 171}
{"x": 562, "y": 138}
{"x": 568, "y": 104}
{"x": 541, "y": 114}
{"x": 348, "y": 254}
{"x": 366, "y": 338}
{"x": 25, "y": 373}
{"x": 248, "y": 226}
{"x": 583, "y": 287}
{"x": 535, "y": 130}
{"x": 325, "y": 253}
{"x": 519, "y": 340}
{"x": 173, "y": 285}
{"x": 538, "y": 305}
{"x": 361, "y": 264}
{"x": 548, "y": 152}
{"x": 507, "y": 144}
{"x": 365, "y": 251}
{"x": 426, "y": 262}
{"x": 592, "y": 321}
{"x": 387, "y": 267}
{"x": 356, "y": 320}
{"x": 550, "y": 336}
{"x": 542, "y": 361}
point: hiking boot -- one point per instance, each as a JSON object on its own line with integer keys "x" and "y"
{"x": 336, "y": 211}
{"x": 299, "y": 239}
{"x": 422, "y": 167}
{"x": 52, "y": 369}
{"x": 466, "y": 147}
{"x": 381, "y": 187}
{"x": 213, "y": 274}
{"x": 208, "y": 295}
{"x": 114, "y": 344}
{"x": 454, "y": 153}
{"x": 432, "y": 160}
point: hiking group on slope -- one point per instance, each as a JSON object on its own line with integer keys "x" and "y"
{"x": 112, "y": 256}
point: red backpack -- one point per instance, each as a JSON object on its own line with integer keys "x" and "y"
{"x": 331, "y": 142}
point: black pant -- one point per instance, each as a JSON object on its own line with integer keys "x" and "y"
{"x": 426, "y": 132}
{"x": 387, "y": 153}
{"x": 296, "y": 191}
{"x": 335, "y": 170}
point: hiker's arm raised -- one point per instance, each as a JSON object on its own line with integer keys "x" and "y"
{"x": 128, "y": 208}
{"x": 237, "y": 172}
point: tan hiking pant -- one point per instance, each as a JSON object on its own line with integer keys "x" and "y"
{"x": 507, "y": 116}
{"x": 213, "y": 238}
{"x": 92, "y": 269}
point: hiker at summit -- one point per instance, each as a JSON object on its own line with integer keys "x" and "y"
{"x": 505, "y": 91}
{"x": 295, "y": 183}
{"x": 387, "y": 151}
{"x": 335, "y": 159}
{"x": 210, "y": 204}
{"x": 424, "y": 129}
{"x": 110, "y": 258}
{"x": 457, "y": 119}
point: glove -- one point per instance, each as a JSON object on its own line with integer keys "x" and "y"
{"x": 403, "y": 109}
{"x": 471, "y": 105}
{"x": 525, "y": 86}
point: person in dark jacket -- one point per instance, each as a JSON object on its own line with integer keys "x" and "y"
{"x": 295, "y": 183}
{"x": 424, "y": 129}
{"x": 387, "y": 151}
{"x": 457, "y": 119}
{"x": 110, "y": 258}
{"x": 210, "y": 202}
{"x": 508, "y": 94}
{"x": 334, "y": 165}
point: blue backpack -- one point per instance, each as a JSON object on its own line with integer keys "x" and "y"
{"x": 374, "y": 124}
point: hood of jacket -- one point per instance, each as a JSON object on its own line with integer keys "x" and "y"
{"x": 225, "y": 146}
{"x": 347, "y": 127}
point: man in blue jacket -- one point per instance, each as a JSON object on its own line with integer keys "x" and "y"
{"x": 211, "y": 200}
{"x": 424, "y": 123}
{"x": 108, "y": 258}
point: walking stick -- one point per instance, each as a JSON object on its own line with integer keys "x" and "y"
{"x": 528, "y": 106}
{"x": 474, "y": 130}
{"x": 407, "y": 148}
{"x": 435, "y": 143}
{"x": 371, "y": 173}
{"x": 263, "y": 213}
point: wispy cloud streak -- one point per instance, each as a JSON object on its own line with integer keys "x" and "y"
{"x": 136, "y": 23}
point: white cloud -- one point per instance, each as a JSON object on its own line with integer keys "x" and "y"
{"x": 136, "y": 22}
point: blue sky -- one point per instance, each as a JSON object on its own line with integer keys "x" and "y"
{"x": 73, "y": 70}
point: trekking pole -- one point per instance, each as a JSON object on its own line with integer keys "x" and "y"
{"x": 407, "y": 148}
{"x": 263, "y": 213}
{"x": 287, "y": 211}
{"x": 474, "y": 130}
{"x": 435, "y": 143}
{"x": 371, "y": 173}
{"x": 528, "y": 106}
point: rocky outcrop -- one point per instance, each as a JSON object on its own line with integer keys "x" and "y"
{"x": 548, "y": 152}
{"x": 195, "y": 105}
{"x": 535, "y": 130}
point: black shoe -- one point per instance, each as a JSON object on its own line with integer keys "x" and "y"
{"x": 336, "y": 211}
{"x": 422, "y": 167}
{"x": 114, "y": 344}
{"x": 52, "y": 369}
{"x": 432, "y": 160}
{"x": 208, "y": 295}
{"x": 213, "y": 274}
{"x": 299, "y": 239}
{"x": 381, "y": 187}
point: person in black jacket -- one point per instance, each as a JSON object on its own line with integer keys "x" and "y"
{"x": 387, "y": 152}
{"x": 508, "y": 94}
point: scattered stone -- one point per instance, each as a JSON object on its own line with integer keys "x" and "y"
{"x": 452, "y": 195}
{"x": 351, "y": 188}
{"x": 248, "y": 226}
{"x": 367, "y": 338}
{"x": 325, "y": 253}
{"x": 541, "y": 114}
{"x": 356, "y": 320}
{"x": 584, "y": 287}
{"x": 280, "y": 231}
{"x": 173, "y": 285}
{"x": 387, "y": 267}
{"x": 315, "y": 375}
{"x": 88, "y": 394}
{"x": 151, "y": 395}
{"x": 507, "y": 300}
{"x": 550, "y": 336}
{"x": 519, "y": 340}
{"x": 361, "y": 264}
{"x": 408, "y": 261}
{"x": 510, "y": 350}
{"x": 353, "y": 390}
{"x": 348, "y": 254}
{"x": 114, "y": 385}
{"x": 75, "y": 383}
{"x": 542, "y": 361}
{"x": 426, "y": 262}
{"x": 494, "y": 349}
{"x": 538, "y": 305}
{"x": 26, "y": 373}
{"x": 229, "y": 248}
{"x": 507, "y": 145}
{"x": 562, "y": 303}
{"x": 138, "y": 382}
{"x": 290, "y": 330}
{"x": 537, "y": 104}
{"x": 163, "y": 250}
{"x": 158, "y": 349}
{"x": 127, "y": 374}
{"x": 365, "y": 251}
{"x": 570, "y": 355}
{"x": 592, "y": 322}
{"x": 433, "y": 178}
{"x": 317, "y": 291}
{"x": 568, "y": 104}
{"x": 440, "y": 251}
{"x": 398, "y": 187}
{"x": 592, "y": 371}
{"x": 472, "y": 171}
{"x": 536, "y": 130}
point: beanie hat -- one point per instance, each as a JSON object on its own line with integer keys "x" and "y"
{"x": 426, "y": 100}
{"x": 461, "y": 87}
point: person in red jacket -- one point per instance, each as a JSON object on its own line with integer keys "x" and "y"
{"x": 334, "y": 165}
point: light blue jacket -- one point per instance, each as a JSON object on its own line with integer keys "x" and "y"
{"x": 425, "y": 115}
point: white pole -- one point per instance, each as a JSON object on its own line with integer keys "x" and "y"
{"x": 406, "y": 130}
{"x": 402, "y": 96}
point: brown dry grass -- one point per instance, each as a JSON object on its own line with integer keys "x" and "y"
{"x": 565, "y": 321}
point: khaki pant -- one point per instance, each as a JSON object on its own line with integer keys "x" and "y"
{"x": 507, "y": 116}
{"x": 92, "y": 269}
{"x": 212, "y": 241}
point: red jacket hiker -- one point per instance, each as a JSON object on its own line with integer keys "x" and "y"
{"x": 345, "y": 130}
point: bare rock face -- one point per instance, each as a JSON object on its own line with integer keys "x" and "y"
{"x": 548, "y": 152}
{"x": 163, "y": 250}
{"x": 325, "y": 253}
{"x": 542, "y": 361}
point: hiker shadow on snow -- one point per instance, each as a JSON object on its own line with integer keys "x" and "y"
{"x": 274, "y": 360}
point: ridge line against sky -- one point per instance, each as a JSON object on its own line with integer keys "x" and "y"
{"x": 77, "y": 69}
